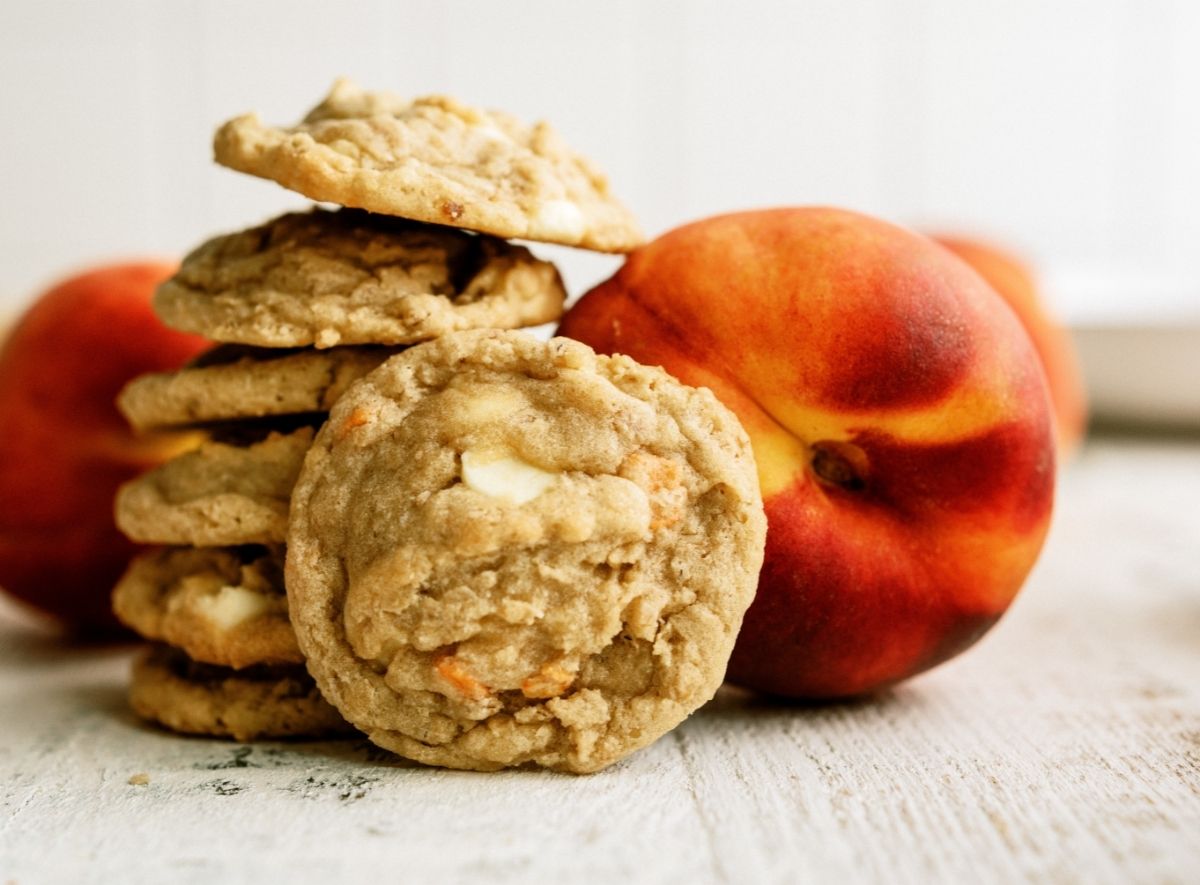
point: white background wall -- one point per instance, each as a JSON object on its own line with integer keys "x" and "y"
{"x": 1069, "y": 129}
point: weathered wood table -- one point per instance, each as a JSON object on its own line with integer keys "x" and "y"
{"x": 1064, "y": 748}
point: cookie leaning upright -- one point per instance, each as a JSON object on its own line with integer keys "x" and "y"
{"x": 437, "y": 160}
{"x": 504, "y": 551}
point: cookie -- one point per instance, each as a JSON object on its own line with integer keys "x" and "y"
{"x": 216, "y": 495}
{"x": 258, "y": 703}
{"x": 232, "y": 383}
{"x": 434, "y": 159}
{"x": 504, "y": 551}
{"x": 219, "y": 605}
{"x": 324, "y": 278}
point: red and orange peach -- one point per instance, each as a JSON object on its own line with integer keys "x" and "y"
{"x": 1012, "y": 278}
{"x": 64, "y": 448}
{"x": 899, "y": 419}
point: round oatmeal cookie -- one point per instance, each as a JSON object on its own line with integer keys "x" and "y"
{"x": 434, "y": 159}
{"x": 232, "y": 382}
{"x": 258, "y": 703}
{"x": 505, "y": 551}
{"x": 217, "y": 495}
{"x": 223, "y": 606}
{"x": 325, "y": 278}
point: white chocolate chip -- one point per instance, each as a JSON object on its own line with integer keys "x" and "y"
{"x": 231, "y": 606}
{"x": 501, "y": 476}
{"x": 557, "y": 219}
{"x": 497, "y": 406}
{"x": 327, "y": 338}
{"x": 489, "y": 131}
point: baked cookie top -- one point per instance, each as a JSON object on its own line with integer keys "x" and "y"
{"x": 506, "y": 551}
{"x": 217, "y": 494}
{"x": 434, "y": 159}
{"x": 325, "y": 278}
{"x": 258, "y": 703}
{"x": 222, "y": 606}
{"x": 232, "y": 382}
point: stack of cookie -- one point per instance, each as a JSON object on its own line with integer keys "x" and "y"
{"x": 299, "y": 308}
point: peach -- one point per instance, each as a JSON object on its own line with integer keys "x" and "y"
{"x": 1012, "y": 278}
{"x": 899, "y": 419}
{"x": 64, "y": 448}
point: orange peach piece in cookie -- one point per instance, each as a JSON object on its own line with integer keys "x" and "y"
{"x": 899, "y": 419}
{"x": 459, "y": 677}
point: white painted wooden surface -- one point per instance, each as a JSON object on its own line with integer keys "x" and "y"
{"x": 1064, "y": 748}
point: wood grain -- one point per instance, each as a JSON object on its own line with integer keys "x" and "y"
{"x": 1064, "y": 748}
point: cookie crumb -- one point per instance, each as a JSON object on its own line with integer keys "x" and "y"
{"x": 140, "y": 779}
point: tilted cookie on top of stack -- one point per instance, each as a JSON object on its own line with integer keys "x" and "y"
{"x": 300, "y": 308}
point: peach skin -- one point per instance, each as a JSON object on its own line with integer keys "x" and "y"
{"x": 64, "y": 448}
{"x": 899, "y": 418}
{"x": 1015, "y": 282}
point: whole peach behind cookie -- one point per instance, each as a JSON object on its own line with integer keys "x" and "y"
{"x": 1013, "y": 279}
{"x": 64, "y": 449}
{"x": 898, "y": 416}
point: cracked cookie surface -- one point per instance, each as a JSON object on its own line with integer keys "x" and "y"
{"x": 258, "y": 703}
{"x": 437, "y": 160}
{"x": 233, "y": 383}
{"x": 220, "y": 606}
{"x": 504, "y": 551}
{"x": 348, "y": 277}
{"x": 217, "y": 494}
